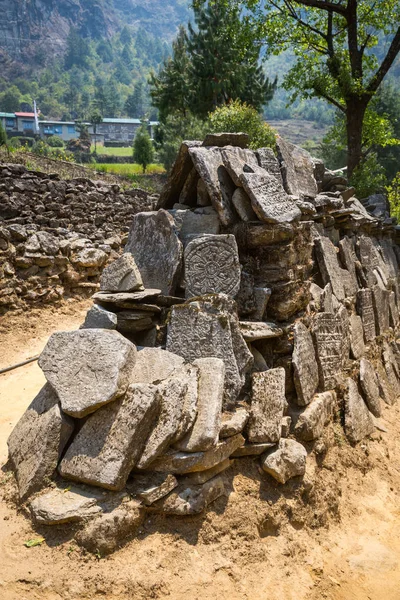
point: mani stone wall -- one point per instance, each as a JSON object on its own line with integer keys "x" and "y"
{"x": 56, "y": 235}
{"x": 257, "y": 305}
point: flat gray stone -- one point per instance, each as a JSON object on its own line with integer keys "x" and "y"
{"x": 310, "y": 424}
{"x": 235, "y": 159}
{"x": 205, "y": 431}
{"x": 286, "y": 462}
{"x": 154, "y": 365}
{"x": 152, "y": 493}
{"x": 393, "y": 311}
{"x": 365, "y": 309}
{"x": 343, "y": 316}
{"x": 358, "y": 421}
{"x": 212, "y": 266}
{"x": 349, "y": 258}
{"x": 134, "y": 321}
{"x": 391, "y": 368}
{"x": 191, "y": 500}
{"x": 242, "y": 204}
{"x": 109, "y": 531}
{"x": 87, "y": 368}
{"x": 209, "y": 165}
{"x": 196, "y": 222}
{"x": 261, "y": 298}
{"x": 234, "y": 422}
{"x": 297, "y": 169}
{"x": 203, "y": 476}
{"x": 203, "y": 199}
{"x": 380, "y": 301}
{"x": 370, "y": 257}
{"x": 356, "y": 337}
{"x": 122, "y": 275}
{"x": 252, "y": 450}
{"x": 267, "y": 406}
{"x": 172, "y": 394}
{"x": 305, "y": 367}
{"x": 252, "y": 330}
{"x": 64, "y": 506}
{"x": 370, "y": 387}
{"x": 208, "y": 327}
{"x": 156, "y": 249}
{"x": 268, "y": 198}
{"x": 329, "y": 266}
{"x": 111, "y": 441}
{"x": 268, "y": 161}
{"x": 386, "y": 391}
{"x": 98, "y": 317}
{"x": 37, "y": 442}
{"x": 240, "y": 140}
{"x": 328, "y": 336}
{"x": 185, "y": 462}
{"x": 128, "y": 300}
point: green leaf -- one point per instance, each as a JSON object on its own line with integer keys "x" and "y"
{"x": 34, "y": 542}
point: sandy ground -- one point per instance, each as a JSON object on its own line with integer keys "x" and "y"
{"x": 341, "y": 541}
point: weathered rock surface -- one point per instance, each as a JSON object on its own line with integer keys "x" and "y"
{"x": 107, "y": 532}
{"x": 310, "y": 424}
{"x": 155, "y": 490}
{"x": 297, "y": 169}
{"x": 356, "y": 337}
{"x": 242, "y": 204}
{"x": 253, "y": 331}
{"x": 64, "y": 506}
{"x": 287, "y": 461}
{"x": 87, "y": 368}
{"x": 98, "y": 317}
{"x": 126, "y": 299}
{"x": 329, "y": 266}
{"x": 37, "y": 442}
{"x": 239, "y": 140}
{"x": 267, "y": 406}
{"x": 235, "y": 159}
{"x": 212, "y": 266}
{"x": 252, "y": 449}
{"x": 154, "y": 365}
{"x": 156, "y": 249}
{"x": 365, "y": 309}
{"x": 358, "y": 421}
{"x": 268, "y": 198}
{"x": 122, "y": 275}
{"x": 191, "y": 500}
{"x": 305, "y": 368}
{"x": 111, "y": 441}
{"x": 370, "y": 386}
{"x": 185, "y": 462}
{"x": 328, "y": 336}
{"x": 233, "y": 423}
{"x": 205, "y": 431}
{"x": 201, "y": 477}
{"x": 268, "y": 161}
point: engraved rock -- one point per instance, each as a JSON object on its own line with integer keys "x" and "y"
{"x": 365, "y": 309}
{"x": 154, "y": 365}
{"x": 380, "y": 301}
{"x": 268, "y": 161}
{"x": 328, "y": 336}
{"x": 122, "y": 275}
{"x": 357, "y": 418}
{"x": 287, "y": 461}
{"x": 370, "y": 387}
{"x": 212, "y": 266}
{"x": 297, "y": 169}
{"x": 156, "y": 249}
{"x": 356, "y": 337}
{"x": 267, "y": 406}
{"x": 253, "y": 331}
{"x": 242, "y": 204}
{"x": 205, "y": 431}
{"x": 329, "y": 266}
{"x": 87, "y": 368}
{"x": 235, "y": 159}
{"x": 110, "y": 442}
{"x": 305, "y": 367}
{"x": 37, "y": 442}
{"x": 310, "y": 424}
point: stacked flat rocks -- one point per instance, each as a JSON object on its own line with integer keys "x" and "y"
{"x": 244, "y": 314}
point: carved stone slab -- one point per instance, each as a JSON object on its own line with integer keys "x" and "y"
{"x": 268, "y": 161}
{"x": 358, "y": 421}
{"x": 110, "y": 442}
{"x": 212, "y": 266}
{"x": 370, "y": 258}
{"x": 305, "y": 367}
{"x": 156, "y": 249}
{"x": 356, "y": 337}
{"x": 348, "y": 257}
{"x": 370, "y": 387}
{"x": 343, "y": 315}
{"x": 329, "y": 266}
{"x": 365, "y": 309}
{"x": 267, "y": 406}
{"x": 328, "y": 335}
{"x": 253, "y": 330}
{"x": 311, "y": 422}
{"x": 235, "y": 159}
{"x": 297, "y": 169}
{"x": 242, "y": 204}
{"x": 268, "y": 198}
{"x": 380, "y": 300}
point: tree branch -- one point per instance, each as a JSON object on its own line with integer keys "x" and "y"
{"x": 386, "y": 64}
{"x": 333, "y": 101}
{"x": 325, "y": 5}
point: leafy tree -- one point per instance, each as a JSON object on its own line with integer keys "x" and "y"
{"x": 239, "y": 117}
{"x": 105, "y": 51}
{"x": 143, "y": 150}
{"x": 135, "y": 103}
{"x": 78, "y": 50}
{"x": 125, "y": 36}
{"x": 11, "y": 99}
{"x": 95, "y": 119}
{"x": 335, "y": 42}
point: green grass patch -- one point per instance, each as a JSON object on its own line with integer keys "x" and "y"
{"x": 127, "y": 170}
{"x": 113, "y": 151}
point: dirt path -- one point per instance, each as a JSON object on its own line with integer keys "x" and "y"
{"x": 355, "y": 556}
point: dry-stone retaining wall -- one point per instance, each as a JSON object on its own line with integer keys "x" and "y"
{"x": 258, "y": 303}
{"x": 56, "y": 235}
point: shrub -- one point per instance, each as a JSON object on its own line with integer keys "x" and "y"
{"x": 239, "y": 117}
{"x": 143, "y": 151}
{"x": 41, "y": 148}
{"x": 55, "y": 142}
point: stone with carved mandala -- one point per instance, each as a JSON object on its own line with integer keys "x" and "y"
{"x": 212, "y": 266}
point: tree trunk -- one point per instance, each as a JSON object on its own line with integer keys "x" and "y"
{"x": 355, "y": 113}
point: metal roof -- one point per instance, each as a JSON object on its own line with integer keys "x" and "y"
{"x": 126, "y": 121}
{"x": 57, "y": 122}
{"x": 25, "y": 114}
{"x": 7, "y": 115}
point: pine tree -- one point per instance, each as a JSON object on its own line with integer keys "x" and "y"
{"x": 143, "y": 150}
{"x": 135, "y": 103}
